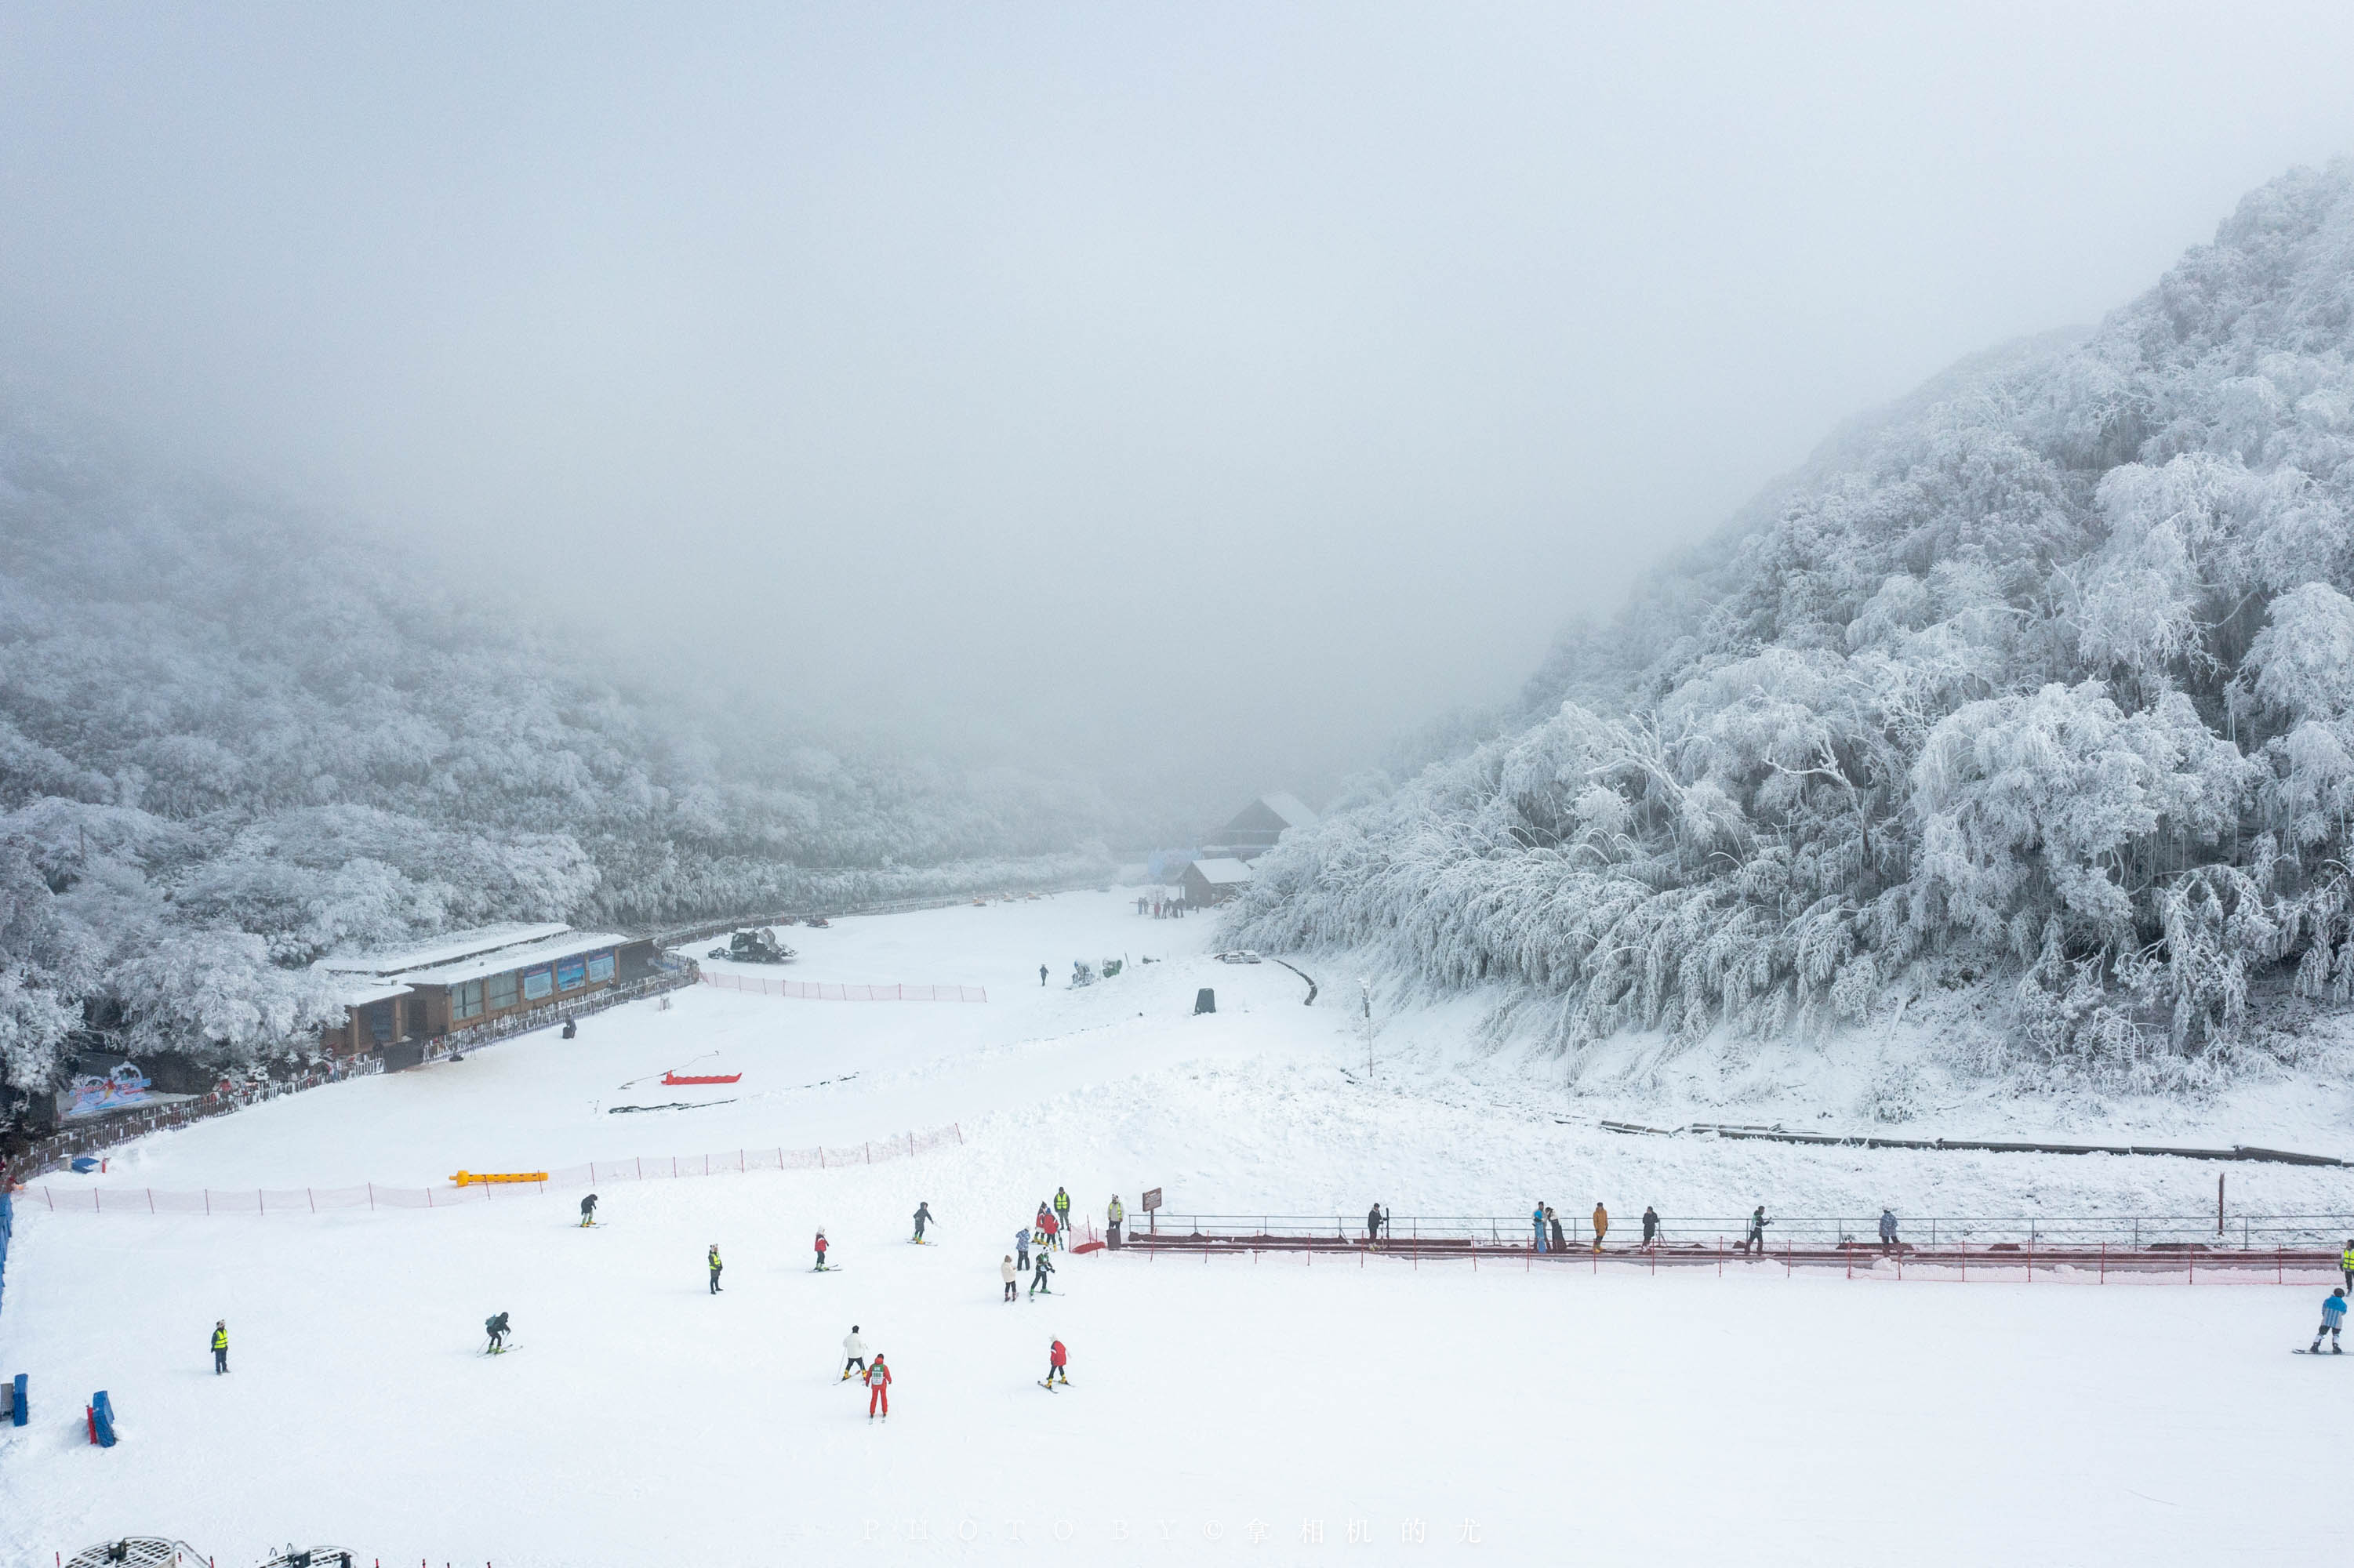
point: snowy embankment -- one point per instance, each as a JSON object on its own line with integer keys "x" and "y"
{"x": 644, "y": 1420}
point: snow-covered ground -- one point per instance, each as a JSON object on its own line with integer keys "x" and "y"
{"x": 1220, "y": 1411}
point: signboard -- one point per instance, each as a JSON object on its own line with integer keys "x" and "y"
{"x": 536, "y": 984}
{"x": 600, "y": 969}
{"x": 571, "y": 974}
{"x": 1152, "y": 1200}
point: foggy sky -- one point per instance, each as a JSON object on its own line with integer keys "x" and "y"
{"x": 1207, "y": 393}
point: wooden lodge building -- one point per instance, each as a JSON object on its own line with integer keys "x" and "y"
{"x": 1256, "y": 828}
{"x": 428, "y": 988}
{"x": 1213, "y": 881}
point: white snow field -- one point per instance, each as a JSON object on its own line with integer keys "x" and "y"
{"x": 1272, "y": 1411}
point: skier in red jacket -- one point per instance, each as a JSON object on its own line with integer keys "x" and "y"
{"x": 821, "y": 1247}
{"x": 1057, "y": 1360}
{"x": 878, "y": 1389}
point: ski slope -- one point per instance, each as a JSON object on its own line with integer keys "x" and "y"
{"x": 1227, "y": 1411}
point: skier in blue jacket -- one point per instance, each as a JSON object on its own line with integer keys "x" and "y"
{"x": 1536, "y": 1222}
{"x": 2333, "y": 1317}
{"x": 1021, "y": 1249}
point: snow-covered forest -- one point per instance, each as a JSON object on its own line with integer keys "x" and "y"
{"x": 233, "y": 740}
{"x": 2034, "y": 693}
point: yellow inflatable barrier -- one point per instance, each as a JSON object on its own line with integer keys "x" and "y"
{"x": 479, "y": 1178}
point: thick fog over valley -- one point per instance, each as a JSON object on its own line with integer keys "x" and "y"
{"x": 600, "y": 466}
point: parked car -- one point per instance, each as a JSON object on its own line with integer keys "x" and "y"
{"x": 1238, "y": 956}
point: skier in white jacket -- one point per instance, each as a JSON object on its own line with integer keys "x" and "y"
{"x": 1005, "y": 1272}
{"x": 853, "y": 1349}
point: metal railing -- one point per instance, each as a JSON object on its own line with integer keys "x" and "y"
{"x": 2134, "y": 1233}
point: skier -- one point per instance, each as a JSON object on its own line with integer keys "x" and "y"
{"x": 1374, "y": 1226}
{"x": 589, "y": 1210}
{"x": 1888, "y": 1231}
{"x": 1062, "y": 1212}
{"x": 878, "y": 1389}
{"x": 2333, "y": 1317}
{"x": 571, "y": 1028}
{"x": 1046, "y": 1228}
{"x": 853, "y": 1353}
{"x": 714, "y": 1262}
{"x": 1757, "y": 1236}
{"x": 497, "y": 1329}
{"x": 1537, "y": 1219}
{"x": 821, "y": 1248}
{"x": 1058, "y": 1365}
{"x": 1601, "y": 1225}
{"x": 1115, "y": 1215}
{"x": 923, "y": 1218}
{"x": 1005, "y": 1272}
{"x": 1650, "y": 1224}
{"x": 1021, "y": 1249}
{"x": 1038, "y": 1276}
{"x": 220, "y": 1347}
{"x": 1042, "y": 974}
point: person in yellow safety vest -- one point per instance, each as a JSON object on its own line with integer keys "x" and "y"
{"x": 1062, "y": 1212}
{"x": 2346, "y": 1262}
{"x": 1115, "y": 1215}
{"x": 220, "y": 1347}
{"x": 714, "y": 1261}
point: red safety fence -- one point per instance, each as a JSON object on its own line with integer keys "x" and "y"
{"x": 109, "y": 1200}
{"x": 809, "y": 991}
{"x": 1956, "y": 1262}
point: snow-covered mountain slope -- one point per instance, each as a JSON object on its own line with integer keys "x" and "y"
{"x": 2029, "y": 708}
{"x": 233, "y": 740}
{"x": 1873, "y": 1420}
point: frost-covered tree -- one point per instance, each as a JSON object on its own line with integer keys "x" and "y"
{"x": 2043, "y": 680}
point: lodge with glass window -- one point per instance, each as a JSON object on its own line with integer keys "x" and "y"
{"x": 412, "y": 995}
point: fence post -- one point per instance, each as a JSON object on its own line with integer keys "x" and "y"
{"x": 371, "y": 1187}
{"x": 151, "y": 1199}
{"x": 313, "y": 1196}
{"x": 261, "y": 1203}
{"x": 959, "y": 1127}
{"x": 820, "y": 1155}
{"x": 870, "y": 1154}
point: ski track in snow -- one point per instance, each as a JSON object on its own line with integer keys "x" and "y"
{"x": 1570, "y": 1416}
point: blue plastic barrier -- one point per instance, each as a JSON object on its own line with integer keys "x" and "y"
{"x": 102, "y": 1419}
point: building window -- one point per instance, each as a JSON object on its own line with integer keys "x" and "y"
{"x": 466, "y": 1002}
{"x": 571, "y": 974}
{"x": 600, "y": 969}
{"x": 538, "y": 983}
{"x": 501, "y": 992}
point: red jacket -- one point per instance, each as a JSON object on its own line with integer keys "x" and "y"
{"x": 1060, "y": 1356}
{"x": 878, "y": 1375}
{"x": 1047, "y": 1222}
{"x": 821, "y": 1247}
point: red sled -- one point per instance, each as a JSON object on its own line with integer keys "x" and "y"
{"x": 1086, "y": 1246}
{"x": 707, "y": 1078}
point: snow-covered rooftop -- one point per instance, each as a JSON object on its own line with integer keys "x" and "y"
{"x": 1291, "y": 809}
{"x": 444, "y": 949}
{"x": 1223, "y": 870}
{"x": 366, "y": 995}
{"x": 505, "y": 958}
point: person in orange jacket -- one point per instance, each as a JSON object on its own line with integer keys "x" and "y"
{"x": 878, "y": 1388}
{"x": 1601, "y": 1225}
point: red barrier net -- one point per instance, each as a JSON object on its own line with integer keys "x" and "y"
{"x": 759, "y": 985}
{"x": 599, "y": 1173}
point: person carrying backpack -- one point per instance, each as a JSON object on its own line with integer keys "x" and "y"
{"x": 2333, "y": 1317}
{"x": 878, "y": 1389}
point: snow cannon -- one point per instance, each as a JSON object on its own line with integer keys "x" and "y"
{"x": 1205, "y": 1000}
{"x": 15, "y": 1400}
